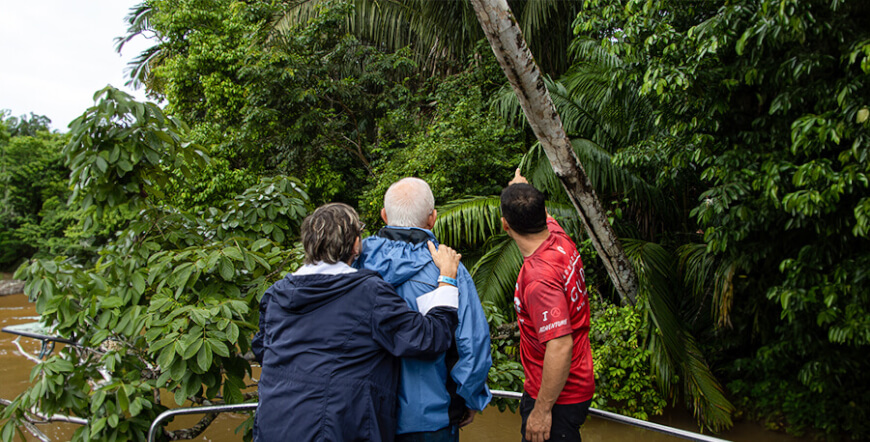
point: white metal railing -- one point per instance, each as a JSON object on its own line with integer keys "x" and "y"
{"x": 676, "y": 432}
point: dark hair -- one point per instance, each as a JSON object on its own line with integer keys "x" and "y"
{"x": 328, "y": 234}
{"x": 522, "y": 206}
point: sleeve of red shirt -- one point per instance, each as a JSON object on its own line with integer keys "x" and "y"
{"x": 554, "y": 226}
{"x": 548, "y": 309}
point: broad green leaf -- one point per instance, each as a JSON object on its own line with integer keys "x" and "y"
{"x": 204, "y": 357}
{"x": 226, "y": 269}
{"x": 138, "y": 282}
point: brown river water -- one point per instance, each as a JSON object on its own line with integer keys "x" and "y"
{"x": 489, "y": 426}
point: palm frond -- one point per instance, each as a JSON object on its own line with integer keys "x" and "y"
{"x": 536, "y": 167}
{"x": 506, "y": 105}
{"x": 594, "y": 80}
{"x": 437, "y": 32}
{"x": 589, "y": 50}
{"x": 606, "y": 177}
{"x": 708, "y": 276}
{"x": 139, "y": 22}
{"x": 294, "y": 14}
{"x": 495, "y": 274}
{"x": 703, "y": 390}
{"x": 468, "y": 221}
{"x": 567, "y": 216}
{"x": 547, "y": 27}
{"x": 674, "y": 348}
{"x": 139, "y": 68}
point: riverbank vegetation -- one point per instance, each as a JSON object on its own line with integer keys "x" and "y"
{"x": 729, "y": 143}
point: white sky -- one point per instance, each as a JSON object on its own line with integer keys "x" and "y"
{"x": 57, "y": 53}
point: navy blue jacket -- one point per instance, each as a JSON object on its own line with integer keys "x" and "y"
{"x": 329, "y": 347}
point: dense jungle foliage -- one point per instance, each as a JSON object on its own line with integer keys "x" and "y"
{"x": 729, "y": 140}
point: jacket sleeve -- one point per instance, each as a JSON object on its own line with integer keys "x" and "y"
{"x": 258, "y": 344}
{"x": 404, "y": 332}
{"x": 472, "y": 344}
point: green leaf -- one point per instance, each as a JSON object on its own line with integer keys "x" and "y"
{"x": 227, "y": 270}
{"x": 62, "y": 366}
{"x": 234, "y": 253}
{"x": 99, "y": 337}
{"x": 167, "y": 356}
{"x": 219, "y": 347}
{"x": 97, "y": 400}
{"x": 123, "y": 400}
{"x": 193, "y": 346}
{"x": 260, "y": 243}
{"x": 111, "y": 302}
{"x": 50, "y": 266}
{"x": 135, "y": 407}
{"x": 98, "y": 425}
{"x": 138, "y": 282}
{"x": 180, "y": 396}
{"x": 233, "y": 333}
{"x": 163, "y": 379}
{"x": 204, "y": 357}
{"x": 101, "y": 164}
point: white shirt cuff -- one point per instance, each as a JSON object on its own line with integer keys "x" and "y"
{"x": 446, "y": 296}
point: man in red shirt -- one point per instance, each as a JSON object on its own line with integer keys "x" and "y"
{"x": 553, "y": 312}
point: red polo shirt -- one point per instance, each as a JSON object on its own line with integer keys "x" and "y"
{"x": 551, "y": 302}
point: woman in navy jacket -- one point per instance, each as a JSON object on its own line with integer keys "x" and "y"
{"x": 330, "y": 338}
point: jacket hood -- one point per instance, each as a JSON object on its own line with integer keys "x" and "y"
{"x": 396, "y": 253}
{"x": 302, "y": 294}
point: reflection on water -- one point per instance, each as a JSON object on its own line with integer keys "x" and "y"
{"x": 489, "y": 426}
{"x": 15, "y": 367}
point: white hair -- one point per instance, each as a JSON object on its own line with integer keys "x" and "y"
{"x": 409, "y": 202}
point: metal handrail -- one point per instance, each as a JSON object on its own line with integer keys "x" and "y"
{"x": 676, "y": 432}
{"x": 152, "y": 432}
{"x": 652, "y": 426}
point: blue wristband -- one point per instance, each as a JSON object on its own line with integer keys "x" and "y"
{"x": 447, "y": 280}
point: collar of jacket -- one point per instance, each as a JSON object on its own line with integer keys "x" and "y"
{"x": 413, "y": 235}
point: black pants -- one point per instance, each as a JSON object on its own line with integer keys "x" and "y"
{"x": 567, "y": 419}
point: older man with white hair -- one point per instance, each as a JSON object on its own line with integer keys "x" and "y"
{"x": 436, "y": 396}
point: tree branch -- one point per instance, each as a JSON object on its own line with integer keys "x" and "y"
{"x": 194, "y": 431}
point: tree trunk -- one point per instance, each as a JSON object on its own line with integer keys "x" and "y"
{"x": 518, "y": 64}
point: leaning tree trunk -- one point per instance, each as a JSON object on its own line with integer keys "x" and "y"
{"x": 517, "y": 63}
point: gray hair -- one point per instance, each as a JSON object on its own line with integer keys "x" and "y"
{"x": 409, "y": 202}
{"x": 329, "y": 233}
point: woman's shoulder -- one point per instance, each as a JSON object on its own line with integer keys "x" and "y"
{"x": 372, "y": 279}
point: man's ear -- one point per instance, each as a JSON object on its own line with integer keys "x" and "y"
{"x": 430, "y": 220}
{"x": 504, "y": 225}
{"x": 357, "y": 250}
{"x": 384, "y": 216}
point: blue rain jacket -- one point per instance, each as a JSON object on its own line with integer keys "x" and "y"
{"x": 329, "y": 347}
{"x": 400, "y": 255}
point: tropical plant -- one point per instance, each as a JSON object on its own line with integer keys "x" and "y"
{"x": 304, "y": 102}
{"x": 456, "y": 144}
{"x": 674, "y": 351}
{"x": 33, "y": 213}
{"x": 169, "y": 304}
{"x": 763, "y": 111}
{"x": 624, "y": 382}
{"x": 443, "y": 34}
{"x": 524, "y": 76}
